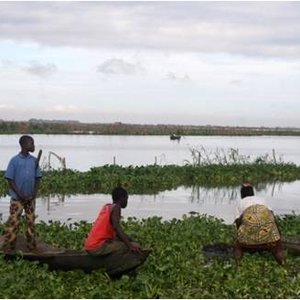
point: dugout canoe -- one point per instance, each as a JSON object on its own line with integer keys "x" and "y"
{"x": 114, "y": 265}
{"x": 175, "y": 137}
{"x": 222, "y": 250}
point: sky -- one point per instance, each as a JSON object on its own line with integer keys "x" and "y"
{"x": 175, "y": 62}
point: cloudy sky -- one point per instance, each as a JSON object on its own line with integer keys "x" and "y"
{"x": 219, "y": 63}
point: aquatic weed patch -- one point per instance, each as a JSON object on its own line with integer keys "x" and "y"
{"x": 153, "y": 178}
{"x": 176, "y": 267}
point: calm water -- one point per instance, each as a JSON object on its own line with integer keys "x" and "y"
{"x": 283, "y": 198}
{"x": 82, "y": 152}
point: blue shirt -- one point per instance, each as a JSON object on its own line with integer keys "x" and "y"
{"x": 23, "y": 171}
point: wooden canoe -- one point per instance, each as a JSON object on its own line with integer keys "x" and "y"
{"x": 223, "y": 250}
{"x": 114, "y": 264}
{"x": 175, "y": 137}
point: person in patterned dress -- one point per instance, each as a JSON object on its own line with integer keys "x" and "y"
{"x": 256, "y": 226}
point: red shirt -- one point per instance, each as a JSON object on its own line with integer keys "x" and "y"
{"x": 102, "y": 230}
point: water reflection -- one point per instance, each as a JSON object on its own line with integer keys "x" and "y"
{"x": 283, "y": 198}
{"x": 52, "y": 202}
{"x": 199, "y": 193}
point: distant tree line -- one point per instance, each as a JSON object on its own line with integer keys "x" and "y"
{"x": 35, "y": 126}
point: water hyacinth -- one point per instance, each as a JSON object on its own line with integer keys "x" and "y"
{"x": 176, "y": 267}
{"x": 152, "y": 178}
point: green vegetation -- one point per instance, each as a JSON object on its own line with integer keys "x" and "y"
{"x": 153, "y": 178}
{"x": 176, "y": 267}
{"x": 34, "y": 126}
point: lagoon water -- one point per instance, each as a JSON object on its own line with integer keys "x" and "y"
{"x": 82, "y": 152}
{"x": 85, "y": 151}
{"x": 283, "y": 198}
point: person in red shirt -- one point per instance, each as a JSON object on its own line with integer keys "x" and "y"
{"x": 106, "y": 235}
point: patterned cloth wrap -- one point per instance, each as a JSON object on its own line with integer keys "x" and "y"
{"x": 258, "y": 226}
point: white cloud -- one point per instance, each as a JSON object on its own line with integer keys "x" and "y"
{"x": 7, "y": 64}
{"x": 235, "y": 82}
{"x": 120, "y": 66}
{"x": 38, "y": 69}
{"x": 234, "y": 57}
{"x": 6, "y": 107}
{"x": 63, "y": 108}
{"x": 268, "y": 28}
{"x": 174, "y": 77}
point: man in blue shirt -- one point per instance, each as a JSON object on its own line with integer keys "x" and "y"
{"x": 23, "y": 174}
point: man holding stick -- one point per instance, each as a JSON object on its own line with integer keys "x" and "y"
{"x": 23, "y": 174}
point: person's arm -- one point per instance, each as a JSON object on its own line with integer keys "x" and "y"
{"x": 36, "y": 186}
{"x": 10, "y": 177}
{"x": 38, "y": 176}
{"x": 15, "y": 188}
{"x": 115, "y": 220}
{"x": 238, "y": 221}
{"x": 276, "y": 222}
{"x": 238, "y": 214}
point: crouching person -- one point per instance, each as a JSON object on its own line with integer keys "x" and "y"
{"x": 107, "y": 237}
{"x": 256, "y": 227}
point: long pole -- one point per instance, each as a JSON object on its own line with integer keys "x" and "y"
{"x": 38, "y": 158}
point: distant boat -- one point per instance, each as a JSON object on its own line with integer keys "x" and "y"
{"x": 175, "y": 137}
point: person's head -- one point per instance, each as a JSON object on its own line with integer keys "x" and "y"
{"x": 247, "y": 190}
{"x": 27, "y": 143}
{"x": 120, "y": 196}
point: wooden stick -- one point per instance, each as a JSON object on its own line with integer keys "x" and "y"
{"x": 38, "y": 158}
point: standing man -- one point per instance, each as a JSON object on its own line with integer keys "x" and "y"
{"x": 23, "y": 174}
